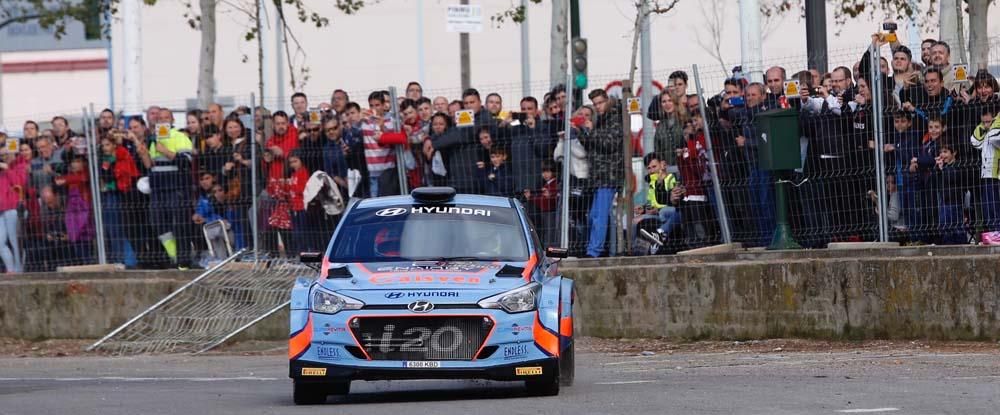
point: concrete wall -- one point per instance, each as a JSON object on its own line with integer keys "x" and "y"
{"x": 934, "y": 293}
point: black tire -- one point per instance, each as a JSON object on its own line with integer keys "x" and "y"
{"x": 567, "y": 365}
{"x": 308, "y": 393}
{"x": 547, "y": 385}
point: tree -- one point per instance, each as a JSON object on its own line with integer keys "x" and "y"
{"x": 56, "y": 14}
{"x": 951, "y": 29}
{"x": 644, "y": 8}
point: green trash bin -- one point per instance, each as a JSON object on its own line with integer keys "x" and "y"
{"x": 778, "y": 148}
{"x": 779, "y": 152}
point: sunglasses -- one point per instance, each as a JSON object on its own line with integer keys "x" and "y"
{"x": 333, "y": 129}
{"x": 314, "y": 130}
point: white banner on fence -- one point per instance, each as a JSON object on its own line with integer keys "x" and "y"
{"x": 465, "y": 18}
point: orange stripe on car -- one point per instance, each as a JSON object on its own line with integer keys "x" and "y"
{"x": 546, "y": 339}
{"x": 298, "y": 343}
{"x": 566, "y": 326}
{"x": 529, "y": 267}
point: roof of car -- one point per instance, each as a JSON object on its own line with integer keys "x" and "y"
{"x": 460, "y": 199}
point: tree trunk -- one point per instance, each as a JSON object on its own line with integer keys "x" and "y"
{"x": 948, "y": 24}
{"x": 961, "y": 55}
{"x": 559, "y": 40}
{"x": 636, "y": 31}
{"x": 206, "y": 64}
{"x": 979, "y": 45}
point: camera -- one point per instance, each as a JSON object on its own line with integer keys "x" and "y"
{"x": 891, "y": 36}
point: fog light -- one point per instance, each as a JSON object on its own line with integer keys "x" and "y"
{"x": 355, "y": 324}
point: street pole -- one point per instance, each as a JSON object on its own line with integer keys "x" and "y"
{"x": 816, "y": 35}
{"x": 132, "y": 38}
{"x": 279, "y": 55}
{"x": 266, "y": 55}
{"x": 720, "y": 206}
{"x": 750, "y": 41}
{"x": 463, "y": 44}
{"x": 1, "y": 90}
{"x": 646, "y": 64}
{"x": 627, "y": 193}
{"x": 420, "y": 44}
{"x": 567, "y": 161}
{"x": 559, "y": 39}
{"x": 878, "y": 105}
{"x": 525, "y": 55}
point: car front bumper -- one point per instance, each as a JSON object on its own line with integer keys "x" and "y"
{"x": 309, "y": 371}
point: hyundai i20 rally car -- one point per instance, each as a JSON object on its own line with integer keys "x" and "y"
{"x": 432, "y": 286}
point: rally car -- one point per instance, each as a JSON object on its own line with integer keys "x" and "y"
{"x": 432, "y": 286}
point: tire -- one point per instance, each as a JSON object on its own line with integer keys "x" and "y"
{"x": 308, "y": 393}
{"x": 567, "y": 365}
{"x": 545, "y": 386}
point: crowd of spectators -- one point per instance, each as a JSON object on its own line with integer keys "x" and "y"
{"x": 167, "y": 191}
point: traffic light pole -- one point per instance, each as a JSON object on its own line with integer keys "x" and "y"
{"x": 574, "y": 32}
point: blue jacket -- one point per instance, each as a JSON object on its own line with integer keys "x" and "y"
{"x": 206, "y": 209}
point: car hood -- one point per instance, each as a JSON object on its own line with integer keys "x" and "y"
{"x": 442, "y": 281}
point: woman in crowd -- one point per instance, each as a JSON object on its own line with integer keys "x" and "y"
{"x": 117, "y": 175}
{"x": 670, "y": 130}
{"x": 79, "y": 221}
{"x": 13, "y": 180}
{"x": 440, "y": 124}
{"x": 236, "y": 178}
{"x": 580, "y": 196}
{"x": 193, "y": 129}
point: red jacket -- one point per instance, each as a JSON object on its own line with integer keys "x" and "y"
{"x": 692, "y": 164}
{"x": 125, "y": 170}
{"x": 79, "y": 181}
{"x": 297, "y": 186}
{"x": 287, "y": 142}
{"x": 547, "y": 197}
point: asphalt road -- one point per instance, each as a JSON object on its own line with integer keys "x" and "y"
{"x": 907, "y": 382}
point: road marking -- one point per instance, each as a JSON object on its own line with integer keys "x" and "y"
{"x": 137, "y": 379}
{"x": 627, "y": 382}
{"x": 866, "y": 411}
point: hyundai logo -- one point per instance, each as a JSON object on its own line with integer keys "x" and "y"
{"x": 391, "y": 212}
{"x": 393, "y": 296}
{"x": 421, "y": 306}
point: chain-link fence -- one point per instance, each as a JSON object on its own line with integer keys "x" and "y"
{"x": 767, "y": 158}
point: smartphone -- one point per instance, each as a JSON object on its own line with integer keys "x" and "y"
{"x": 519, "y": 116}
{"x": 889, "y": 27}
{"x": 737, "y": 101}
{"x": 578, "y": 121}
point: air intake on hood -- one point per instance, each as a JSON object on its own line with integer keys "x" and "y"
{"x": 339, "y": 272}
{"x": 510, "y": 271}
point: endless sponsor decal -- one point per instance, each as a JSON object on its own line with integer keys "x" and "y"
{"x": 328, "y": 352}
{"x": 396, "y": 211}
{"x": 514, "y": 351}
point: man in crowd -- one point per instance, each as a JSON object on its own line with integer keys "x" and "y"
{"x": 775, "y": 80}
{"x": 462, "y": 144}
{"x": 494, "y": 104}
{"x": 339, "y": 101}
{"x": 300, "y": 110}
{"x": 440, "y": 104}
{"x": 215, "y": 116}
{"x": 604, "y": 152}
{"x": 414, "y": 90}
{"x": 381, "y": 158}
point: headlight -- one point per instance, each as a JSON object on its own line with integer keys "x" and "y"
{"x": 329, "y": 303}
{"x": 518, "y": 300}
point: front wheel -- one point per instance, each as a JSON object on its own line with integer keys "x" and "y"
{"x": 547, "y": 385}
{"x": 308, "y": 393}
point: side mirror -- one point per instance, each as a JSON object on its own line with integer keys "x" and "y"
{"x": 556, "y": 252}
{"x": 311, "y": 257}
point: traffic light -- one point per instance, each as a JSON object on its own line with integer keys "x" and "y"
{"x": 579, "y": 46}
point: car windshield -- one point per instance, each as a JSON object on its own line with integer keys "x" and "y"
{"x": 439, "y": 232}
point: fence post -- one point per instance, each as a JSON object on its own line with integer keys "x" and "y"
{"x": 253, "y": 176}
{"x": 400, "y": 156}
{"x": 95, "y": 187}
{"x": 877, "y": 108}
{"x": 627, "y": 192}
{"x": 720, "y": 203}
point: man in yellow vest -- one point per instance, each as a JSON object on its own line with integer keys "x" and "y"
{"x": 168, "y": 158}
{"x": 660, "y": 184}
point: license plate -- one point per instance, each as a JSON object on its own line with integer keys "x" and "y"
{"x": 423, "y": 364}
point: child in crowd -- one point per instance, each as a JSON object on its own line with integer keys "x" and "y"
{"x": 79, "y": 228}
{"x": 296, "y": 187}
{"x": 923, "y": 166}
{"x": 986, "y": 139}
{"x": 904, "y": 147}
{"x": 950, "y": 197}
{"x": 546, "y": 199}
{"x": 496, "y": 179}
